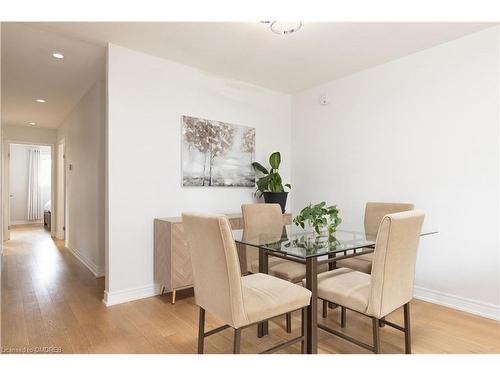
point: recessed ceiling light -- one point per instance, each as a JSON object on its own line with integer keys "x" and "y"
{"x": 40, "y": 100}
{"x": 58, "y": 55}
{"x": 285, "y": 28}
{"x": 32, "y": 123}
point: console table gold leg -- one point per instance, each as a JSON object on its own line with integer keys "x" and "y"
{"x": 173, "y": 296}
{"x": 162, "y": 290}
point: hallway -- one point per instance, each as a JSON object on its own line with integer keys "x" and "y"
{"x": 44, "y": 289}
{"x": 52, "y": 303}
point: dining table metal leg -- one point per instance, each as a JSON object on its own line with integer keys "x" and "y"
{"x": 263, "y": 327}
{"x": 303, "y": 329}
{"x": 312, "y": 309}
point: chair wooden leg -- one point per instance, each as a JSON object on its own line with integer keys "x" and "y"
{"x": 289, "y": 322}
{"x": 406, "y": 310}
{"x": 201, "y": 330}
{"x": 343, "y": 316}
{"x": 303, "y": 328}
{"x": 376, "y": 336}
{"x": 237, "y": 340}
{"x": 325, "y": 309}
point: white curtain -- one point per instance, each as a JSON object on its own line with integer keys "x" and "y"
{"x": 35, "y": 209}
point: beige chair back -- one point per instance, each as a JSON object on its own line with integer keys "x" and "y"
{"x": 393, "y": 269}
{"x": 375, "y": 212}
{"x": 260, "y": 218}
{"x": 216, "y": 268}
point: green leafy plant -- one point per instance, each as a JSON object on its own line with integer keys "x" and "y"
{"x": 271, "y": 179}
{"x": 319, "y": 216}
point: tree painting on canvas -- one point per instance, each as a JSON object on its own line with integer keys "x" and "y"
{"x": 216, "y": 153}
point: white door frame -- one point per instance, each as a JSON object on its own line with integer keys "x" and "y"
{"x": 6, "y": 191}
{"x": 60, "y": 212}
{"x": 6, "y": 182}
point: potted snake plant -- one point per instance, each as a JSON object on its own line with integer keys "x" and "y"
{"x": 270, "y": 184}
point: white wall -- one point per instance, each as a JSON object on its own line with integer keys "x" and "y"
{"x": 18, "y": 181}
{"x": 1, "y": 164}
{"x": 18, "y": 184}
{"x": 83, "y": 132}
{"x": 146, "y": 98}
{"x": 1, "y": 178}
{"x": 421, "y": 129}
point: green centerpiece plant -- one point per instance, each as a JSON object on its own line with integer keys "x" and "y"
{"x": 320, "y": 217}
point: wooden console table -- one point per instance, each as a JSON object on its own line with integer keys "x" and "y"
{"x": 172, "y": 262}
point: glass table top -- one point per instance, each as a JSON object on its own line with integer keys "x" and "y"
{"x": 300, "y": 243}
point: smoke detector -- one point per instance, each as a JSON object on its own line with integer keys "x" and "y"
{"x": 324, "y": 99}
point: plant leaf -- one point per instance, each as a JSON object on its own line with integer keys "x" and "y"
{"x": 260, "y": 168}
{"x": 275, "y": 160}
{"x": 263, "y": 183}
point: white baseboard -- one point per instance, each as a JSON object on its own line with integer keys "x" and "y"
{"x": 127, "y": 295}
{"x": 26, "y": 222}
{"x": 97, "y": 271}
{"x": 486, "y": 310}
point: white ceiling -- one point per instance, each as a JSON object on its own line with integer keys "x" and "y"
{"x": 249, "y": 52}
{"x": 29, "y": 72}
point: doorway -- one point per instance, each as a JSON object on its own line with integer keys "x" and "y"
{"x": 28, "y": 184}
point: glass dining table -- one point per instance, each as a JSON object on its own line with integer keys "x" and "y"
{"x": 307, "y": 247}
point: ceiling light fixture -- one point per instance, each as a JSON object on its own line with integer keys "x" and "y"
{"x": 32, "y": 123}
{"x": 58, "y": 55}
{"x": 40, "y": 100}
{"x": 285, "y": 28}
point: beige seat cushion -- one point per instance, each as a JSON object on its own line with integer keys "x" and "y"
{"x": 286, "y": 269}
{"x": 265, "y": 296}
{"x": 346, "y": 287}
{"x": 362, "y": 263}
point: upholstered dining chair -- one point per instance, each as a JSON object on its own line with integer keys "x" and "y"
{"x": 374, "y": 213}
{"x": 268, "y": 218}
{"x": 219, "y": 288}
{"x": 390, "y": 284}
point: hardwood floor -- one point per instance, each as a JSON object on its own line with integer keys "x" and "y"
{"x": 50, "y": 300}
